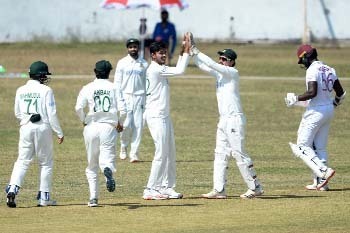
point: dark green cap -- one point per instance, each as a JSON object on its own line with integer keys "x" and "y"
{"x": 228, "y": 53}
{"x": 103, "y": 67}
{"x": 132, "y": 41}
{"x": 38, "y": 68}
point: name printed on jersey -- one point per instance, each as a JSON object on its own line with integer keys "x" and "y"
{"x": 101, "y": 92}
{"x": 30, "y": 96}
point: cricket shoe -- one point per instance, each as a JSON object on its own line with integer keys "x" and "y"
{"x": 11, "y": 200}
{"x": 215, "y": 195}
{"x": 110, "y": 182}
{"x": 171, "y": 193}
{"x": 42, "y": 203}
{"x": 152, "y": 194}
{"x": 328, "y": 174}
{"x": 250, "y": 194}
{"x": 134, "y": 158}
{"x": 314, "y": 187}
{"x": 123, "y": 153}
{"x": 93, "y": 202}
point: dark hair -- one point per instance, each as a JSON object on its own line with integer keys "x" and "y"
{"x": 157, "y": 46}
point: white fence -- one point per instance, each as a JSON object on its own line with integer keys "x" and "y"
{"x": 84, "y": 20}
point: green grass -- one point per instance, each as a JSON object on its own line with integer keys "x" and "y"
{"x": 278, "y": 60}
{"x": 285, "y": 207}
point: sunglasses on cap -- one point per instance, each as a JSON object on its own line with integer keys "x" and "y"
{"x": 223, "y": 58}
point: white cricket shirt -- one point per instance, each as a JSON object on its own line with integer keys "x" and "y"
{"x": 227, "y": 84}
{"x": 37, "y": 98}
{"x": 130, "y": 75}
{"x": 157, "y": 86}
{"x": 325, "y": 77}
{"x": 101, "y": 98}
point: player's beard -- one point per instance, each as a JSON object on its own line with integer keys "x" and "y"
{"x": 134, "y": 54}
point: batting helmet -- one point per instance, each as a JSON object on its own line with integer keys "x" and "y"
{"x": 306, "y": 54}
{"x": 38, "y": 71}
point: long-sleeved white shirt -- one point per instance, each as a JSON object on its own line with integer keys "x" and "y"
{"x": 227, "y": 84}
{"x": 102, "y": 99}
{"x": 325, "y": 77}
{"x": 36, "y": 98}
{"x": 158, "y": 95}
{"x": 130, "y": 76}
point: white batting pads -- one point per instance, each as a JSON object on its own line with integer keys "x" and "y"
{"x": 310, "y": 159}
{"x": 220, "y": 171}
{"x": 248, "y": 173}
{"x": 290, "y": 99}
{"x": 339, "y": 100}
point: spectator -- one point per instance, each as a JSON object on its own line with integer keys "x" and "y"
{"x": 165, "y": 32}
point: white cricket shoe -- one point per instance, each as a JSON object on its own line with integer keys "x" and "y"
{"x": 93, "y": 202}
{"x": 134, "y": 158}
{"x": 258, "y": 191}
{"x": 314, "y": 187}
{"x": 152, "y": 194}
{"x": 123, "y": 153}
{"x": 215, "y": 195}
{"x": 43, "y": 203}
{"x": 171, "y": 193}
{"x": 329, "y": 173}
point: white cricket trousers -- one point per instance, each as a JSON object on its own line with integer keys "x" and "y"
{"x": 163, "y": 171}
{"x": 100, "y": 140}
{"x": 133, "y": 135}
{"x": 34, "y": 138}
{"x": 314, "y": 129}
{"x": 230, "y": 139}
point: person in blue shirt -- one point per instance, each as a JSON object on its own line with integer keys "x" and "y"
{"x": 165, "y": 31}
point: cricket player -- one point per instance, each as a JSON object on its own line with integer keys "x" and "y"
{"x": 230, "y": 134}
{"x": 162, "y": 179}
{"x": 101, "y": 127}
{"x": 320, "y": 103}
{"x": 130, "y": 82}
{"x": 35, "y": 108}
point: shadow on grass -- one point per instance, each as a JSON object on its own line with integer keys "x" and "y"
{"x": 177, "y": 161}
{"x": 339, "y": 190}
{"x": 288, "y": 196}
{"x": 133, "y": 206}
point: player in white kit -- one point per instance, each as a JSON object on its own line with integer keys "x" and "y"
{"x": 319, "y": 101}
{"x": 130, "y": 81}
{"x": 230, "y": 134}
{"x": 162, "y": 178}
{"x": 101, "y": 128}
{"x": 35, "y": 108}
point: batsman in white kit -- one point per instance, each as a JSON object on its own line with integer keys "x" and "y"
{"x": 101, "y": 128}
{"x": 320, "y": 103}
{"x": 35, "y": 108}
{"x": 230, "y": 134}
{"x": 162, "y": 179}
{"x": 130, "y": 81}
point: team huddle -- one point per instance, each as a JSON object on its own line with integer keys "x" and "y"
{"x": 139, "y": 96}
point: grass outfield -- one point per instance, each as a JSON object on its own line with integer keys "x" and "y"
{"x": 285, "y": 206}
{"x": 277, "y": 60}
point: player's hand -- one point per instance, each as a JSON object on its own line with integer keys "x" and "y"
{"x": 119, "y": 127}
{"x": 291, "y": 99}
{"x": 60, "y": 140}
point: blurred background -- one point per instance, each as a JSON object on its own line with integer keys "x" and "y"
{"x": 243, "y": 21}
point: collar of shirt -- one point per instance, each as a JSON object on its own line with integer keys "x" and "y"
{"x": 32, "y": 81}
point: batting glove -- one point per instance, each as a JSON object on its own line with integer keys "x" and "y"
{"x": 338, "y": 100}
{"x": 291, "y": 99}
